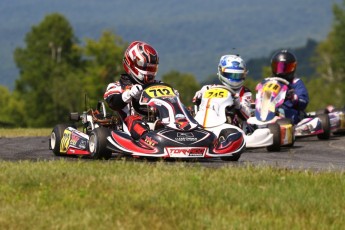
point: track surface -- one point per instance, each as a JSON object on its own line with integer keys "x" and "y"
{"x": 307, "y": 154}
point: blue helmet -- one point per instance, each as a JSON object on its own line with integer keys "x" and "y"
{"x": 232, "y": 71}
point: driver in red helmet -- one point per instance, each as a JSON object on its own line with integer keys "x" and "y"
{"x": 140, "y": 63}
{"x": 283, "y": 65}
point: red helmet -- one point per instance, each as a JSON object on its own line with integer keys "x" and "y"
{"x": 141, "y": 62}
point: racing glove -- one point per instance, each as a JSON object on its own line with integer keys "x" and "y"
{"x": 134, "y": 92}
{"x": 237, "y": 102}
{"x": 176, "y": 93}
{"x": 199, "y": 93}
{"x": 290, "y": 95}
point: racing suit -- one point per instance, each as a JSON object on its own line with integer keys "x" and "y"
{"x": 114, "y": 98}
{"x": 296, "y": 101}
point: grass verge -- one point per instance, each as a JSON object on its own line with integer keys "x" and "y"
{"x": 24, "y": 132}
{"x": 138, "y": 195}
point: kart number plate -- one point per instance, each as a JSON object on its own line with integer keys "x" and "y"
{"x": 271, "y": 87}
{"x": 159, "y": 91}
{"x": 216, "y": 93}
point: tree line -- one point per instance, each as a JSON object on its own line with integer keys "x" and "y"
{"x": 56, "y": 71}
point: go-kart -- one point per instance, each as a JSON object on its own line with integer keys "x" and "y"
{"x": 336, "y": 117}
{"x": 215, "y": 113}
{"x": 271, "y": 93}
{"x": 173, "y": 132}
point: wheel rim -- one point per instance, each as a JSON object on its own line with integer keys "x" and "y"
{"x": 52, "y": 140}
{"x": 92, "y": 144}
{"x": 221, "y": 139}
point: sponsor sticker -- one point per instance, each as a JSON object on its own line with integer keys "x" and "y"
{"x": 150, "y": 141}
{"x": 181, "y": 152}
{"x": 74, "y": 139}
{"x": 66, "y": 137}
{"x": 185, "y": 137}
{"x": 342, "y": 120}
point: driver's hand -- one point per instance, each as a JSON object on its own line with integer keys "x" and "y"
{"x": 136, "y": 91}
{"x": 290, "y": 95}
{"x": 176, "y": 93}
{"x": 237, "y": 102}
{"x": 199, "y": 93}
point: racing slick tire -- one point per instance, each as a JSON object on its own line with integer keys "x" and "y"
{"x": 326, "y": 126}
{"x": 55, "y": 138}
{"x": 222, "y": 136}
{"x": 287, "y": 121}
{"x": 275, "y": 130}
{"x": 98, "y": 143}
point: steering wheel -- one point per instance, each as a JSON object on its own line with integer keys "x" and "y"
{"x": 143, "y": 110}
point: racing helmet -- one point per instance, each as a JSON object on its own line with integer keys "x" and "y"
{"x": 140, "y": 61}
{"x": 283, "y": 64}
{"x": 232, "y": 71}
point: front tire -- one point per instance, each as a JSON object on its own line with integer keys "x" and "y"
{"x": 275, "y": 130}
{"x": 55, "y": 138}
{"x": 326, "y": 126}
{"x": 98, "y": 143}
{"x": 222, "y": 137}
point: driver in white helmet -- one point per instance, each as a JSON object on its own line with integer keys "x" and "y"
{"x": 232, "y": 73}
{"x": 140, "y": 63}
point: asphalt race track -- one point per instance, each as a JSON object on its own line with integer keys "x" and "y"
{"x": 307, "y": 154}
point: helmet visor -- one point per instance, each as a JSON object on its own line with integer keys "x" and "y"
{"x": 146, "y": 66}
{"x": 148, "y": 79}
{"x": 233, "y": 76}
{"x": 281, "y": 67}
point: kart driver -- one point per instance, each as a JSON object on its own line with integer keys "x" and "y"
{"x": 140, "y": 63}
{"x": 232, "y": 73}
{"x": 283, "y": 65}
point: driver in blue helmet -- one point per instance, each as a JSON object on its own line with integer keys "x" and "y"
{"x": 232, "y": 73}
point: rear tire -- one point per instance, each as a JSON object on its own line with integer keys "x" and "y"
{"x": 326, "y": 126}
{"x": 222, "y": 137}
{"x": 98, "y": 143}
{"x": 275, "y": 130}
{"x": 55, "y": 138}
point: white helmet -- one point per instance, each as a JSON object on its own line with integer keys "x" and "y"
{"x": 232, "y": 71}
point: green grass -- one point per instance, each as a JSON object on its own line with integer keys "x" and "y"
{"x": 120, "y": 194}
{"x": 24, "y": 132}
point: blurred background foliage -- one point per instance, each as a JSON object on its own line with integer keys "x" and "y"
{"x": 57, "y": 71}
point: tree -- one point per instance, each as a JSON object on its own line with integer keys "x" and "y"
{"x": 56, "y": 72}
{"x": 47, "y": 65}
{"x": 104, "y": 63}
{"x": 330, "y": 63}
{"x": 11, "y": 108}
{"x": 186, "y": 84}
